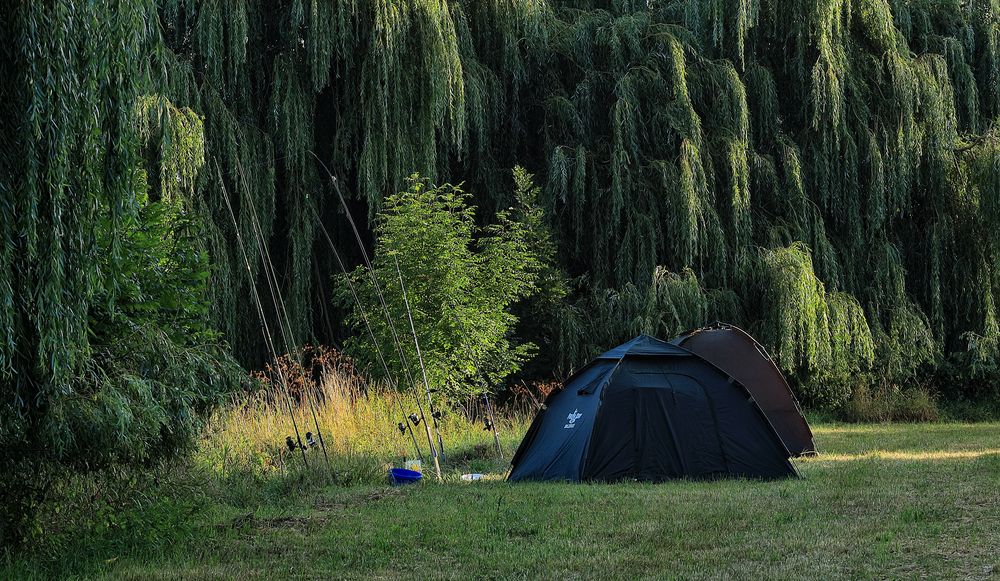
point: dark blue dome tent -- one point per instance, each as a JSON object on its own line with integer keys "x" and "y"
{"x": 650, "y": 410}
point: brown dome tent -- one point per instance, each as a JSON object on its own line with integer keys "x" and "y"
{"x": 735, "y": 352}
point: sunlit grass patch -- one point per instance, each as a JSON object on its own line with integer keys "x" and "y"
{"x": 928, "y": 456}
{"x": 359, "y": 423}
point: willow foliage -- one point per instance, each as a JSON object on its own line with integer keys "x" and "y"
{"x": 823, "y": 172}
{"x": 106, "y": 355}
{"x": 749, "y": 145}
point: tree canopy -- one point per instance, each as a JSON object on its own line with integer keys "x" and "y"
{"x": 824, "y": 173}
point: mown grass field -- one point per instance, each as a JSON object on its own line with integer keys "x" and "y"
{"x": 881, "y": 501}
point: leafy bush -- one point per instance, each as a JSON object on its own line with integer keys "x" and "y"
{"x": 461, "y": 281}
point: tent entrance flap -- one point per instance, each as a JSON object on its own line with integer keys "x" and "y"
{"x": 658, "y": 455}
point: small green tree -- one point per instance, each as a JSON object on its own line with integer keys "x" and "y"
{"x": 460, "y": 280}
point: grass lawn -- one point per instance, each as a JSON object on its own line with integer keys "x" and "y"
{"x": 880, "y": 501}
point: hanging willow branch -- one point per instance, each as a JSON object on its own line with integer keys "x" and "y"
{"x": 823, "y": 171}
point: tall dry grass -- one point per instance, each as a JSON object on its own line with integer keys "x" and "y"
{"x": 358, "y": 420}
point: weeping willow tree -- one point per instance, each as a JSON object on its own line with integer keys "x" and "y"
{"x": 105, "y": 354}
{"x": 824, "y": 173}
{"x": 824, "y": 161}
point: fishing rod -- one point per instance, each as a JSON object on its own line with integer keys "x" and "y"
{"x": 265, "y": 328}
{"x": 280, "y": 311}
{"x": 486, "y": 383}
{"x": 371, "y": 274}
{"x": 385, "y": 309}
{"x": 416, "y": 343}
{"x": 323, "y": 301}
{"x": 371, "y": 332}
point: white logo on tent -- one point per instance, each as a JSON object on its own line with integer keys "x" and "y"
{"x": 572, "y": 419}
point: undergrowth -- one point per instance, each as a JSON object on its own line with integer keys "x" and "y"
{"x": 242, "y": 463}
{"x": 359, "y": 420}
{"x": 890, "y": 404}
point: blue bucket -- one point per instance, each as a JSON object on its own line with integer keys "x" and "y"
{"x": 399, "y": 476}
